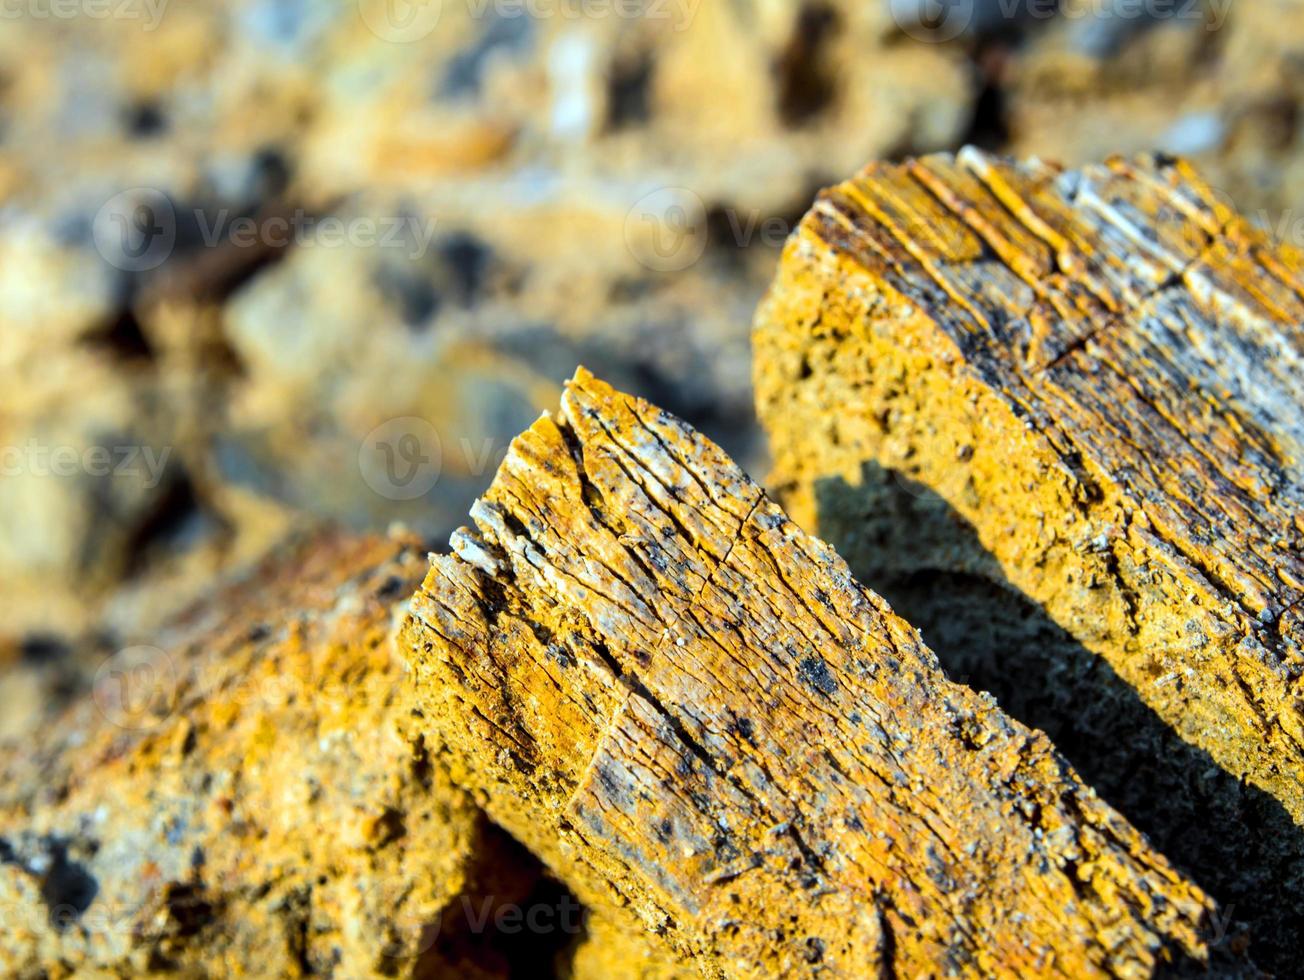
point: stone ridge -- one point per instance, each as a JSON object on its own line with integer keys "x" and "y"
{"x": 250, "y": 807}
{"x": 1106, "y": 303}
{"x": 691, "y": 710}
{"x": 1097, "y": 372}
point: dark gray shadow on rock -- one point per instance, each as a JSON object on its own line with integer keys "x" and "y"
{"x": 1238, "y": 842}
{"x": 513, "y": 919}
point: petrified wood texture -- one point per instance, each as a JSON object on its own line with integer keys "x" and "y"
{"x": 1099, "y": 371}
{"x": 241, "y": 801}
{"x": 691, "y": 710}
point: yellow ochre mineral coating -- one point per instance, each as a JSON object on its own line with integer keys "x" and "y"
{"x": 693, "y": 713}
{"x": 1101, "y": 371}
{"x": 275, "y": 823}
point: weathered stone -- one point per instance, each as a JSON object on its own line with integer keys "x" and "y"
{"x": 243, "y": 799}
{"x": 612, "y": 951}
{"x": 690, "y": 710}
{"x": 1209, "y": 81}
{"x": 508, "y": 192}
{"x": 1083, "y": 388}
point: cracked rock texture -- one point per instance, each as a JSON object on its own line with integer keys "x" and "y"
{"x": 695, "y": 715}
{"x": 1081, "y": 388}
{"x": 243, "y": 799}
{"x": 498, "y": 182}
{"x": 509, "y": 192}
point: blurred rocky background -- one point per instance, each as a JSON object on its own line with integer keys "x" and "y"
{"x": 268, "y": 263}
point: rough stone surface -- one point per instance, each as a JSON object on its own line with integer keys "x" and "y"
{"x": 695, "y": 715}
{"x": 456, "y": 158}
{"x": 613, "y": 951}
{"x": 243, "y": 799}
{"x": 1082, "y": 389}
{"x": 508, "y": 192}
{"x": 569, "y": 182}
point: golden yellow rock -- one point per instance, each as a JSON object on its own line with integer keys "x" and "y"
{"x": 695, "y": 715}
{"x": 1085, "y": 386}
{"x": 612, "y": 952}
{"x": 241, "y": 800}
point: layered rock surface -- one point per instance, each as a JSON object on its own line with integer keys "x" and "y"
{"x": 1059, "y": 412}
{"x": 551, "y": 188}
{"x": 703, "y": 724}
{"x": 552, "y": 182}
{"x": 243, "y": 800}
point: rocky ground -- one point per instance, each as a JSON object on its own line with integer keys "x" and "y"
{"x": 237, "y": 238}
{"x": 265, "y": 265}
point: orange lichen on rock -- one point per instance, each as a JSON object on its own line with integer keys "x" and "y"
{"x": 1097, "y": 372}
{"x": 242, "y": 799}
{"x": 700, "y": 721}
